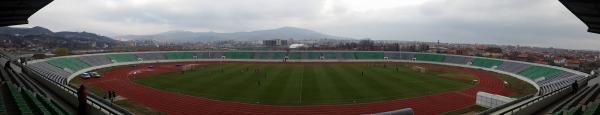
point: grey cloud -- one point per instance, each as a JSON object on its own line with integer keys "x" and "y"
{"x": 523, "y": 22}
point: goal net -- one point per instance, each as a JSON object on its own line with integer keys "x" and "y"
{"x": 419, "y": 68}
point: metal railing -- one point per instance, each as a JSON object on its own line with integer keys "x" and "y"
{"x": 491, "y": 110}
{"x": 533, "y": 101}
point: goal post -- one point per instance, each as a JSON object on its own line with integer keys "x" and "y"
{"x": 187, "y": 67}
{"x": 419, "y": 68}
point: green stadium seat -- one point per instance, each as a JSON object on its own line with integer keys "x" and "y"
{"x": 202, "y": 55}
{"x": 430, "y": 57}
{"x": 179, "y": 55}
{"x": 73, "y": 64}
{"x": 38, "y": 105}
{"x": 575, "y": 111}
{"x": 59, "y": 110}
{"x": 314, "y": 55}
{"x": 278, "y": 55}
{"x": 369, "y": 55}
{"x": 558, "y": 113}
{"x": 262, "y": 55}
{"x": 346, "y": 55}
{"x": 123, "y": 57}
{"x": 592, "y": 109}
{"x": 489, "y": 63}
{"x": 295, "y": 55}
{"x": 239, "y": 55}
{"x": 55, "y": 110}
{"x": 535, "y": 72}
{"x": 2, "y": 102}
{"x": 19, "y": 100}
{"x": 330, "y": 55}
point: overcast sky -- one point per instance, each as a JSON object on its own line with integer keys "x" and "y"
{"x": 545, "y": 23}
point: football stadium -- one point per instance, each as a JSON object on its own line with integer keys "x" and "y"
{"x": 240, "y": 82}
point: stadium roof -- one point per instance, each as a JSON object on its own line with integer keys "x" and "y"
{"x": 587, "y": 11}
{"x": 14, "y": 12}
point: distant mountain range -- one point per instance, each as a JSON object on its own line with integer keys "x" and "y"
{"x": 279, "y": 33}
{"x": 39, "y": 36}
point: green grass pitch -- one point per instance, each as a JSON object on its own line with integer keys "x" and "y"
{"x": 307, "y": 84}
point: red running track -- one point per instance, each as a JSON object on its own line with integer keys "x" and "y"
{"x": 179, "y": 104}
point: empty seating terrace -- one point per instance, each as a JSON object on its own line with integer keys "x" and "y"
{"x": 27, "y": 102}
{"x": 239, "y": 55}
{"x": 212, "y": 55}
{"x": 71, "y": 63}
{"x": 345, "y": 55}
{"x": 19, "y": 96}
{"x": 294, "y": 55}
{"x": 51, "y": 72}
{"x": 151, "y": 56}
{"x": 457, "y": 59}
{"x": 330, "y": 55}
{"x": 122, "y": 57}
{"x": 537, "y": 72}
{"x": 278, "y": 55}
{"x": 312, "y": 55}
{"x": 369, "y": 55}
{"x": 202, "y": 55}
{"x": 488, "y": 63}
{"x": 263, "y": 55}
{"x": 95, "y": 60}
{"x": 512, "y": 67}
{"x": 180, "y": 55}
{"x": 430, "y": 57}
{"x": 400, "y": 56}
{"x": 547, "y": 78}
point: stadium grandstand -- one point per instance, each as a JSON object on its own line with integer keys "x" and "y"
{"x": 547, "y": 79}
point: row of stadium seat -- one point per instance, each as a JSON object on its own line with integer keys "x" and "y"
{"x": 512, "y": 67}
{"x": 558, "y": 77}
{"x": 550, "y": 78}
{"x": 51, "y": 72}
{"x": 151, "y": 56}
{"x": 95, "y": 60}
{"x": 296, "y": 55}
{"x": 550, "y": 86}
{"x": 118, "y": 58}
{"x": 591, "y": 109}
{"x": 537, "y": 72}
{"x": 21, "y": 95}
{"x": 311, "y": 55}
{"x": 26, "y": 102}
{"x": 263, "y": 55}
{"x": 488, "y": 63}
{"x": 246, "y": 55}
{"x": 239, "y": 55}
{"x": 400, "y": 56}
{"x": 205, "y": 55}
{"x": 457, "y": 59}
{"x": 369, "y": 55}
{"x": 71, "y": 64}
{"x": 430, "y": 57}
{"x": 180, "y": 55}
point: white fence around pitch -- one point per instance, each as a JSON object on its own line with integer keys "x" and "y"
{"x": 489, "y": 100}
